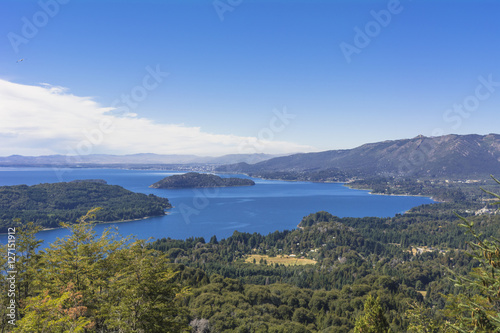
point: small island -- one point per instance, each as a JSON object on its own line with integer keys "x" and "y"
{"x": 196, "y": 180}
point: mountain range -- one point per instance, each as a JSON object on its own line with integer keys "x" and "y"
{"x": 133, "y": 159}
{"x": 432, "y": 157}
{"x": 453, "y": 156}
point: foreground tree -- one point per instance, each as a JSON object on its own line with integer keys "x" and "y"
{"x": 373, "y": 320}
{"x": 477, "y": 307}
{"x": 58, "y": 314}
{"x": 90, "y": 283}
{"x": 423, "y": 319}
{"x": 142, "y": 293}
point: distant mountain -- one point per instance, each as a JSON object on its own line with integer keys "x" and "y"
{"x": 444, "y": 156}
{"x": 134, "y": 159}
{"x": 194, "y": 180}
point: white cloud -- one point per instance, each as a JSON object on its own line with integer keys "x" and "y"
{"x": 44, "y": 120}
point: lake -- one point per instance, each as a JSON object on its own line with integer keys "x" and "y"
{"x": 266, "y": 207}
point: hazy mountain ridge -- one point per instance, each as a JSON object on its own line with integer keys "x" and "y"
{"x": 137, "y": 159}
{"x": 444, "y": 156}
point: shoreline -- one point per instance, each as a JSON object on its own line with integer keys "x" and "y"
{"x": 344, "y": 183}
{"x": 99, "y": 222}
{"x": 106, "y": 222}
{"x": 370, "y": 191}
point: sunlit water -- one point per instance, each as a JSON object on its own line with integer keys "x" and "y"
{"x": 266, "y": 207}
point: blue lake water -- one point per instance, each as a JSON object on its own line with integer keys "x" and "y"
{"x": 266, "y": 207}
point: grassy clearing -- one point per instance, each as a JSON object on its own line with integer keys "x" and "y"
{"x": 283, "y": 260}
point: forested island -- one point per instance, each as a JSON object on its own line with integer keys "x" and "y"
{"x": 194, "y": 180}
{"x": 47, "y": 205}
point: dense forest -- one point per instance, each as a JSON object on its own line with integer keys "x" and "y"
{"x": 460, "y": 191}
{"x": 427, "y": 270}
{"x": 194, "y": 179}
{"x": 405, "y": 261}
{"x": 47, "y": 205}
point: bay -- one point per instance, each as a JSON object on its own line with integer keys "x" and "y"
{"x": 268, "y": 206}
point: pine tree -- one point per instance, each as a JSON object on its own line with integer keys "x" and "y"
{"x": 373, "y": 320}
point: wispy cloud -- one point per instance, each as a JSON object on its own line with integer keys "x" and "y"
{"x": 46, "y": 119}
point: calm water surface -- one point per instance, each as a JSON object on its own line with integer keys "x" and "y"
{"x": 266, "y": 207}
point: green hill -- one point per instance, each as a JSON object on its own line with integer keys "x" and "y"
{"x": 194, "y": 179}
{"x": 49, "y": 204}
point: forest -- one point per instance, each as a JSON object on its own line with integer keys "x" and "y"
{"x": 47, "y": 205}
{"x": 429, "y": 270}
{"x": 195, "y": 180}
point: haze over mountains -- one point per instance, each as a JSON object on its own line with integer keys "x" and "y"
{"x": 444, "y": 156}
{"x": 147, "y": 158}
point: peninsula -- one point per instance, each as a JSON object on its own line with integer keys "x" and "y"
{"x": 194, "y": 180}
{"x": 47, "y": 205}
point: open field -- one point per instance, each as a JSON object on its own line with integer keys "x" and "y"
{"x": 282, "y": 259}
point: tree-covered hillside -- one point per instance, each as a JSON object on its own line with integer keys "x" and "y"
{"x": 194, "y": 179}
{"x": 49, "y": 204}
{"x": 423, "y": 271}
{"x": 404, "y": 261}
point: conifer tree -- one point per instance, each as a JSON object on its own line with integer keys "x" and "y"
{"x": 373, "y": 319}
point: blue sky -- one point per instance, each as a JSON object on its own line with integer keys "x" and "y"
{"x": 243, "y": 76}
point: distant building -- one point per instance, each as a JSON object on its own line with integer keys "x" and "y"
{"x": 485, "y": 210}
